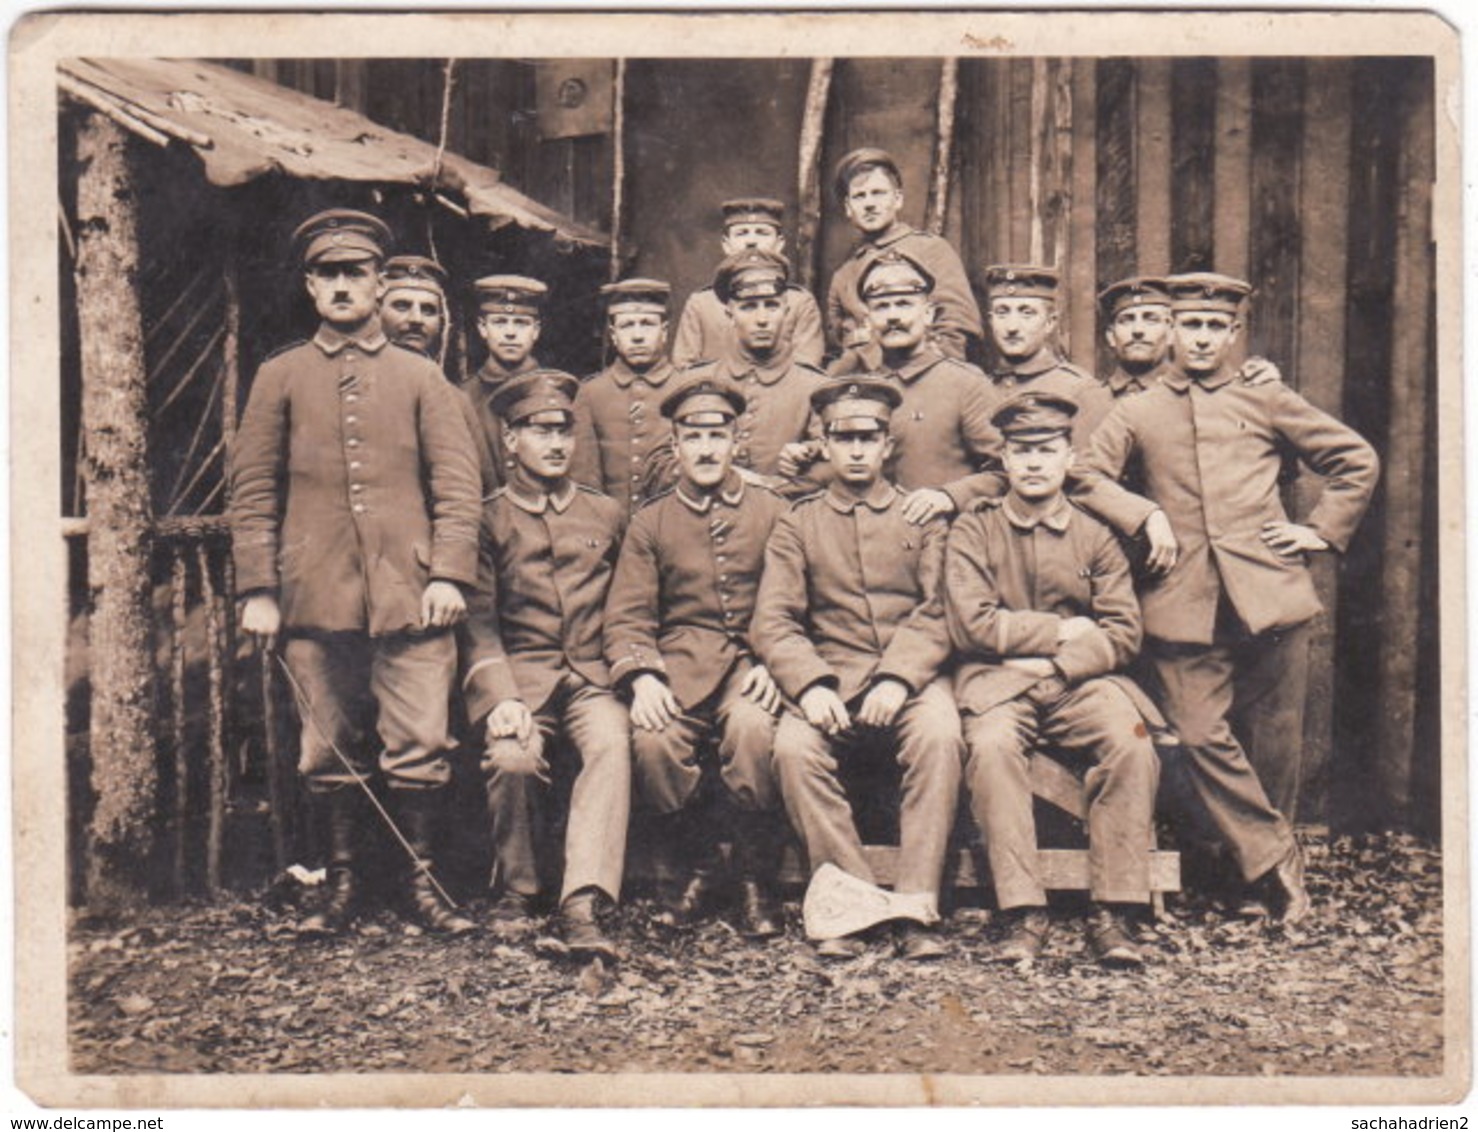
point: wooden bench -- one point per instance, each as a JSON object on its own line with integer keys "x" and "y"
{"x": 1062, "y": 870}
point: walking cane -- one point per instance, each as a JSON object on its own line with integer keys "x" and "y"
{"x": 305, "y": 709}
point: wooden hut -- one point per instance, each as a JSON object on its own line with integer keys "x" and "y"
{"x": 180, "y": 183}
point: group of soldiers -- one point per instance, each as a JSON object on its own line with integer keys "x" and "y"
{"x": 711, "y": 585}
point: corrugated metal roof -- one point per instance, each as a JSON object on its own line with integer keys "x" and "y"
{"x": 243, "y": 127}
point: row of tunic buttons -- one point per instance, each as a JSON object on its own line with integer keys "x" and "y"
{"x": 350, "y": 420}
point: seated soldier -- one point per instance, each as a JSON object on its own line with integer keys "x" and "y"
{"x": 677, "y": 635}
{"x": 1043, "y": 618}
{"x": 534, "y": 666}
{"x": 849, "y": 622}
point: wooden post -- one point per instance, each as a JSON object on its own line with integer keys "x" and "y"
{"x": 120, "y": 540}
{"x": 944, "y": 145}
{"x": 813, "y": 132}
{"x": 618, "y": 166}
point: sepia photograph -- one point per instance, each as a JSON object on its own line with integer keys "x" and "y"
{"x": 743, "y": 559}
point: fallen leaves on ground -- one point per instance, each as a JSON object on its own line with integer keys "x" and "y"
{"x": 227, "y": 988}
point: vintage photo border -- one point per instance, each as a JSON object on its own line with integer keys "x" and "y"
{"x": 39, "y": 557}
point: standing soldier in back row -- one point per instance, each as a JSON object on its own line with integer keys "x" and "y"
{"x": 617, "y": 425}
{"x": 509, "y": 321}
{"x": 413, "y": 311}
{"x": 354, "y": 520}
{"x": 870, "y": 189}
{"x": 1021, "y": 308}
{"x": 705, "y": 333}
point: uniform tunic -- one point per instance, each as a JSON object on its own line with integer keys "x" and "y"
{"x": 1122, "y": 383}
{"x": 1227, "y": 625}
{"x": 944, "y": 439}
{"x": 534, "y": 634}
{"x": 495, "y": 463}
{"x": 354, "y": 484}
{"x": 680, "y": 607}
{"x": 705, "y": 332}
{"x": 1010, "y": 583}
{"x": 958, "y": 321}
{"x": 617, "y": 427}
{"x": 850, "y": 595}
{"x": 778, "y": 409}
{"x": 1051, "y": 374}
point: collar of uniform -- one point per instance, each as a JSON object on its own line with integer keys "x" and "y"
{"x": 494, "y": 372}
{"x": 1180, "y": 381}
{"x": 1054, "y": 520}
{"x": 1121, "y": 379}
{"x": 879, "y": 498}
{"x": 331, "y": 341}
{"x": 526, "y": 496}
{"x": 739, "y": 364}
{"x": 921, "y": 363}
{"x": 731, "y": 491}
{"x": 898, "y": 232}
{"x": 624, "y": 375}
{"x": 1032, "y": 368}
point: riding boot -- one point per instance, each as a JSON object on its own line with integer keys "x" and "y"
{"x": 757, "y": 845}
{"x": 341, "y": 811}
{"x": 689, "y": 857}
{"x": 418, "y": 813}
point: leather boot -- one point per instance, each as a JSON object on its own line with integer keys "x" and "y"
{"x": 341, "y": 812}
{"x": 1287, "y": 878}
{"x": 694, "y": 871}
{"x": 417, "y": 813}
{"x": 757, "y": 846}
{"x": 579, "y": 926}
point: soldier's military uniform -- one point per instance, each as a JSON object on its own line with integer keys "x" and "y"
{"x": 777, "y": 388}
{"x": 354, "y": 484}
{"x": 534, "y": 635}
{"x": 617, "y": 424}
{"x": 1048, "y": 372}
{"x": 503, "y": 294}
{"x": 1228, "y": 626}
{"x": 942, "y": 428}
{"x": 850, "y": 596}
{"x": 1012, "y": 581}
{"x": 704, "y": 331}
{"x": 1140, "y": 292}
{"x": 958, "y": 324}
{"x": 680, "y": 608}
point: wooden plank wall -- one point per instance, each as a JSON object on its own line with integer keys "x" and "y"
{"x": 1311, "y": 177}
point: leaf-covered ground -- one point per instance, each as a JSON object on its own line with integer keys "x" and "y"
{"x": 226, "y": 988}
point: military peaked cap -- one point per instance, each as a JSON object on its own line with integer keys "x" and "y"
{"x": 536, "y": 394}
{"x": 340, "y": 235}
{"x": 1207, "y": 291}
{"x": 751, "y": 274}
{"x": 1033, "y": 415}
{"x": 649, "y": 294}
{"x": 893, "y": 273}
{"x": 510, "y": 294}
{"x": 860, "y": 161}
{"x": 704, "y": 401}
{"x": 1021, "y": 280}
{"x": 1140, "y": 291}
{"x": 753, "y": 210}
